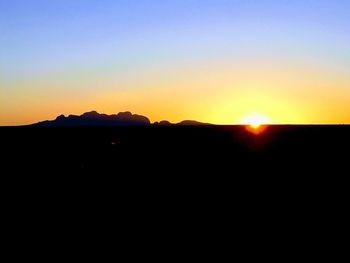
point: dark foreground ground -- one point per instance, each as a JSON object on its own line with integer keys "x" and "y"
{"x": 212, "y": 159}
{"x": 190, "y": 186}
{"x": 218, "y": 150}
{"x": 222, "y": 156}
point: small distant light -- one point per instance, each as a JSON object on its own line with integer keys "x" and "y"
{"x": 115, "y": 142}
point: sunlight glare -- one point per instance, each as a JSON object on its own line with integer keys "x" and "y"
{"x": 255, "y": 120}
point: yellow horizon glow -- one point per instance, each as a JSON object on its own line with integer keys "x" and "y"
{"x": 255, "y": 120}
{"x": 213, "y": 92}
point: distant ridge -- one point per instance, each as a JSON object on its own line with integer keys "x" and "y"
{"x": 192, "y": 123}
{"x": 93, "y": 118}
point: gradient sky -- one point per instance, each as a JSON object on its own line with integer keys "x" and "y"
{"x": 210, "y": 60}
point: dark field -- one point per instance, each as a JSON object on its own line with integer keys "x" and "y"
{"x": 286, "y": 183}
{"x": 203, "y": 163}
{"x": 216, "y": 150}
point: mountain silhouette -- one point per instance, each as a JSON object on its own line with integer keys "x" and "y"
{"x": 163, "y": 123}
{"x": 191, "y": 123}
{"x": 93, "y": 118}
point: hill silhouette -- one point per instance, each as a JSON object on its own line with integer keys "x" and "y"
{"x": 93, "y": 118}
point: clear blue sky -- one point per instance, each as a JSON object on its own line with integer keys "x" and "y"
{"x": 39, "y": 37}
{"x": 39, "y": 34}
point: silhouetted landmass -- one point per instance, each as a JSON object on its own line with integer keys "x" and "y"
{"x": 286, "y": 171}
{"x": 126, "y": 143}
{"x": 94, "y": 118}
{"x": 219, "y": 149}
{"x": 163, "y": 123}
{"x": 192, "y": 123}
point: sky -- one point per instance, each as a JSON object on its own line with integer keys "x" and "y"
{"x": 214, "y": 61}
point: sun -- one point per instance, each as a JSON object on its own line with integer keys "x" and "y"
{"x": 255, "y": 121}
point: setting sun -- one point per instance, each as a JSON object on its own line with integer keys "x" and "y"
{"x": 255, "y": 120}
